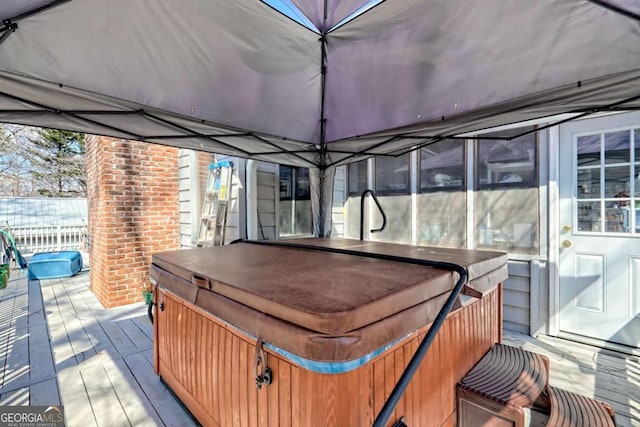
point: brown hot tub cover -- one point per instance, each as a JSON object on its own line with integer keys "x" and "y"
{"x": 319, "y": 305}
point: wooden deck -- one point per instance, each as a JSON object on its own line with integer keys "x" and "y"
{"x": 59, "y": 346}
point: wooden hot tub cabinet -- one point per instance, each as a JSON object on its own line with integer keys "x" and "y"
{"x": 205, "y": 338}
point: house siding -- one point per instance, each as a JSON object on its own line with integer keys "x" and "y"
{"x": 517, "y": 297}
{"x": 267, "y": 174}
{"x": 236, "y": 226}
{"x": 186, "y": 198}
{"x": 339, "y": 200}
{"x": 193, "y": 171}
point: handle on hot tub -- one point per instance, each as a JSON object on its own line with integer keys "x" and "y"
{"x": 384, "y": 217}
{"x": 153, "y": 298}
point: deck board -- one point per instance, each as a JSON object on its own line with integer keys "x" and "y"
{"x": 139, "y": 410}
{"x": 106, "y": 406}
{"x": 18, "y": 397}
{"x": 45, "y": 393}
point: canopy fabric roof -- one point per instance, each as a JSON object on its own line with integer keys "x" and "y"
{"x": 240, "y": 78}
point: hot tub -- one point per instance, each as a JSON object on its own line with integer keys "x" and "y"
{"x": 336, "y": 330}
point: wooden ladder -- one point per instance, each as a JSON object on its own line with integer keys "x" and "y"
{"x": 509, "y": 384}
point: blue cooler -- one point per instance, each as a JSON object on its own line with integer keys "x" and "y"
{"x": 53, "y": 265}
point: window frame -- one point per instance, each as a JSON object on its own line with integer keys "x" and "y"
{"x": 535, "y": 158}
{"x": 392, "y": 192}
{"x": 449, "y": 188}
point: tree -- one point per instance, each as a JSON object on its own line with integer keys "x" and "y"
{"x": 14, "y": 164}
{"x": 57, "y": 163}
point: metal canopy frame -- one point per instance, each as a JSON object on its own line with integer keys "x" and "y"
{"x": 320, "y": 155}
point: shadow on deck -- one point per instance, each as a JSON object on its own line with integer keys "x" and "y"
{"x": 58, "y": 345}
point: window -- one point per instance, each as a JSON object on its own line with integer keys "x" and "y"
{"x": 608, "y": 182}
{"x": 357, "y": 176}
{"x": 505, "y": 163}
{"x": 442, "y": 166}
{"x": 295, "y": 201}
{"x": 392, "y": 175}
{"x": 507, "y": 196}
{"x": 442, "y": 202}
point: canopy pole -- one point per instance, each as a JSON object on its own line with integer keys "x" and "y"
{"x": 322, "y": 161}
{"x": 9, "y": 28}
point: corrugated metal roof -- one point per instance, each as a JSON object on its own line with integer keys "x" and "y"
{"x": 42, "y": 211}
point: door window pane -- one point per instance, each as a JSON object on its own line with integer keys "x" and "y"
{"x": 442, "y": 166}
{"x": 636, "y": 138}
{"x": 619, "y": 192}
{"x": 616, "y": 218}
{"x": 616, "y": 181}
{"x": 589, "y": 150}
{"x": 617, "y": 146}
{"x": 589, "y": 217}
{"x": 392, "y": 175}
{"x": 588, "y": 183}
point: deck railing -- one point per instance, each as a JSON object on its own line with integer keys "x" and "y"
{"x": 50, "y": 238}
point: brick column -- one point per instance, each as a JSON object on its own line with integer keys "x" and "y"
{"x": 132, "y": 192}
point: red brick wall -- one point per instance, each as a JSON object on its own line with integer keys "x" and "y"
{"x": 132, "y": 191}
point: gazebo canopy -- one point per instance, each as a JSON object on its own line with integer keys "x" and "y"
{"x": 312, "y": 82}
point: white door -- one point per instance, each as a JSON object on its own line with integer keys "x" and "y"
{"x": 599, "y": 264}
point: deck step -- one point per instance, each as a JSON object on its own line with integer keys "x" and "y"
{"x": 504, "y": 382}
{"x": 571, "y": 410}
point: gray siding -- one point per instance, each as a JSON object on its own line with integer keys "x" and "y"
{"x": 236, "y": 227}
{"x": 339, "y": 200}
{"x": 267, "y": 212}
{"x": 185, "y": 197}
{"x": 516, "y": 297}
{"x": 190, "y": 199}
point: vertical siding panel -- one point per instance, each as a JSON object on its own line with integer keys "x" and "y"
{"x": 222, "y": 377}
{"x": 399, "y": 365}
{"x": 209, "y": 356}
{"x": 244, "y": 381}
{"x": 193, "y": 355}
{"x": 389, "y": 377}
{"x": 378, "y": 385}
{"x": 273, "y": 392}
{"x": 235, "y": 380}
{"x": 263, "y": 407}
{"x": 296, "y": 396}
{"x": 182, "y": 353}
{"x": 173, "y": 311}
{"x": 252, "y": 390}
{"x": 408, "y": 398}
{"x": 415, "y": 403}
{"x": 284, "y": 395}
{"x": 213, "y": 347}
